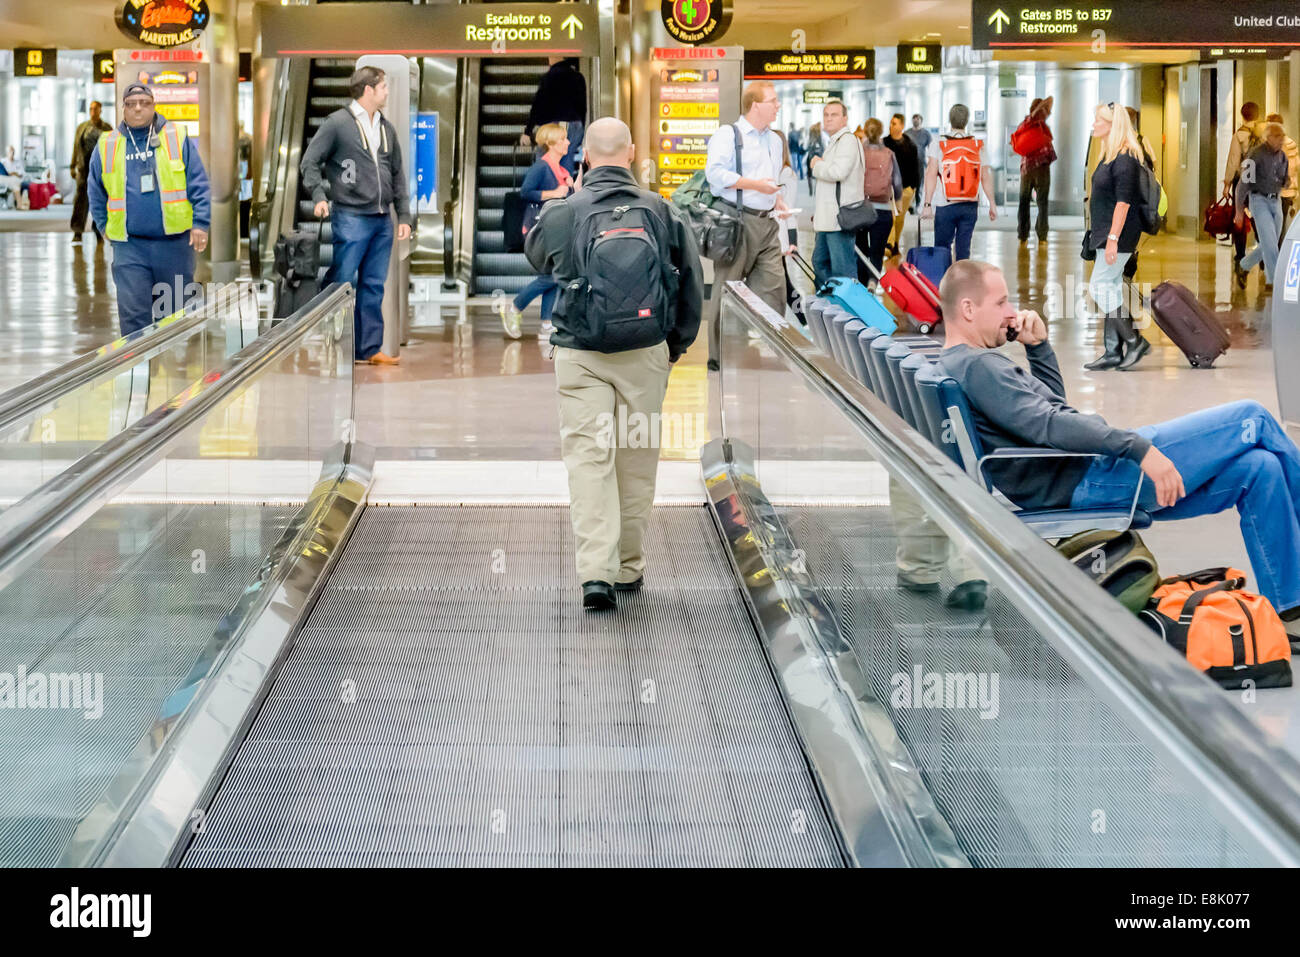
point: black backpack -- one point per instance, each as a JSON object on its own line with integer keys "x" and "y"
{"x": 618, "y": 288}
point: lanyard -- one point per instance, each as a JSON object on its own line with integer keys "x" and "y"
{"x": 134, "y": 144}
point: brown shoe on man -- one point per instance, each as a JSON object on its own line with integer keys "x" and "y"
{"x": 379, "y": 359}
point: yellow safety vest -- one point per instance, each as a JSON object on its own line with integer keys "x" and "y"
{"x": 169, "y": 162}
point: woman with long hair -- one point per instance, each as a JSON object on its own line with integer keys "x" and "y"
{"x": 1113, "y": 233}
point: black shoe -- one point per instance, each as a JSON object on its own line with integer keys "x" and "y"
{"x": 598, "y": 596}
{"x": 968, "y": 596}
{"x": 919, "y": 588}
{"x": 713, "y": 365}
{"x": 1239, "y": 274}
{"x": 76, "y": 239}
{"x": 1135, "y": 354}
{"x": 630, "y": 586}
{"x": 1107, "y": 360}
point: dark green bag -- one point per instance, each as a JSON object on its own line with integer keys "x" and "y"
{"x": 717, "y": 229}
{"x": 1119, "y": 562}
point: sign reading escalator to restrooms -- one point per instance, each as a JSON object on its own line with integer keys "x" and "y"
{"x": 435, "y": 29}
{"x": 1156, "y": 24}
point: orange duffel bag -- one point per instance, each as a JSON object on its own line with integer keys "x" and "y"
{"x": 1231, "y": 634}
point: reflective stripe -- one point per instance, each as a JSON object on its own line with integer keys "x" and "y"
{"x": 116, "y": 204}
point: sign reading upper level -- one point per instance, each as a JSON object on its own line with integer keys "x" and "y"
{"x": 435, "y": 29}
{"x": 847, "y": 64}
{"x": 1157, "y": 24}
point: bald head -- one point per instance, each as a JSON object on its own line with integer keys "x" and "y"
{"x": 608, "y": 143}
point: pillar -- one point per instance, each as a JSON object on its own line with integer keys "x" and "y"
{"x": 221, "y": 43}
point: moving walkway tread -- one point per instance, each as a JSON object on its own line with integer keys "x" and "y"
{"x": 448, "y": 703}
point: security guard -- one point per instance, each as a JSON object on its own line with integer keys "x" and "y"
{"x": 149, "y": 196}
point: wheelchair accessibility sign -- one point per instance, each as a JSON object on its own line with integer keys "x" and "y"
{"x": 1291, "y": 284}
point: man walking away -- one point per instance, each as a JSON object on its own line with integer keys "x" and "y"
{"x": 794, "y": 141}
{"x": 922, "y": 137}
{"x": 753, "y": 175}
{"x": 1245, "y": 139}
{"x": 1293, "y": 165}
{"x": 357, "y": 153}
{"x": 561, "y": 97}
{"x": 954, "y": 174}
{"x": 1032, "y": 140}
{"x": 630, "y": 304}
{"x": 83, "y": 146}
{"x": 149, "y": 197}
{"x": 908, "y": 158}
{"x": 839, "y": 182}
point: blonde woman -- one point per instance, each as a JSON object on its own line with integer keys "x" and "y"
{"x": 1114, "y": 230}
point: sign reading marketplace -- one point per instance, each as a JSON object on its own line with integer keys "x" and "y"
{"x": 163, "y": 23}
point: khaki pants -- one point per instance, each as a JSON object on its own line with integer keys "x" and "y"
{"x": 923, "y": 548}
{"x": 760, "y": 264}
{"x": 609, "y": 438}
{"x": 900, "y": 220}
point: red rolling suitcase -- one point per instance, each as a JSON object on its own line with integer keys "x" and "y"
{"x": 911, "y": 291}
{"x": 1184, "y": 319}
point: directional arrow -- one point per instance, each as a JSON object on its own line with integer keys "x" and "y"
{"x": 571, "y": 24}
{"x": 999, "y": 19}
{"x": 859, "y": 62}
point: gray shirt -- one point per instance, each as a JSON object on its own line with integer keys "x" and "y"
{"x": 1015, "y": 407}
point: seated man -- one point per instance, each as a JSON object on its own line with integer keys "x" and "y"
{"x": 1198, "y": 464}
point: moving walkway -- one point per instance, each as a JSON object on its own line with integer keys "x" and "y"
{"x": 350, "y": 684}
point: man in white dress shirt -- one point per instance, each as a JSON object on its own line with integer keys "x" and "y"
{"x": 759, "y": 261}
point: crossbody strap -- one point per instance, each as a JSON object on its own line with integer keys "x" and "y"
{"x": 740, "y": 148}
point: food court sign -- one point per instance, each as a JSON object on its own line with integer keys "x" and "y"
{"x": 163, "y": 23}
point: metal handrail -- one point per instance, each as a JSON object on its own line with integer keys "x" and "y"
{"x": 129, "y": 349}
{"x": 39, "y": 521}
{"x": 1254, "y": 780}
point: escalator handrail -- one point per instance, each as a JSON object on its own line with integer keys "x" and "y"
{"x": 1180, "y": 711}
{"x": 40, "y": 520}
{"x": 51, "y": 386}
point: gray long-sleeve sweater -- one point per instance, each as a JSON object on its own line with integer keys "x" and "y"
{"x": 1013, "y": 407}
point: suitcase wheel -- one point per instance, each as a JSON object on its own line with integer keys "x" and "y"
{"x": 925, "y": 328}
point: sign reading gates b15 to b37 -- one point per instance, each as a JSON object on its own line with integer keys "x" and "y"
{"x": 1157, "y": 24}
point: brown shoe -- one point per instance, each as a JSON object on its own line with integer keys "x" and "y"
{"x": 379, "y": 359}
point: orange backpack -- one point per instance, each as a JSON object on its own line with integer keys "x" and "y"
{"x": 1230, "y": 634}
{"x": 959, "y": 165}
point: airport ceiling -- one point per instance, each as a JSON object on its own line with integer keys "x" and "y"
{"x": 88, "y": 24}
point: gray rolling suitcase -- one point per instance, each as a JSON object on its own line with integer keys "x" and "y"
{"x": 1192, "y": 327}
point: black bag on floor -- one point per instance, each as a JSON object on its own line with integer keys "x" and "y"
{"x": 513, "y": 210}
{"x": 297, "y": 268}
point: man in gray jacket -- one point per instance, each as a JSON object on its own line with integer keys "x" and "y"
{"x": 357, "y": 153}
{"x": 1198, "y": 464}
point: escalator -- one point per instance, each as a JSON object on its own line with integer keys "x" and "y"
{"x": 505, "y": 97}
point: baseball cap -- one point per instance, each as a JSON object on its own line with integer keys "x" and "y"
{"x": 136, "y": 89}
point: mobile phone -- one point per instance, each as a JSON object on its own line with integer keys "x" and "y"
{"x": 1012, "y": 334}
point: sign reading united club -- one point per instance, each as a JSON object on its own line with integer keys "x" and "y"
{"x": 695, "y": 21}
{"x": 163, "y": 23}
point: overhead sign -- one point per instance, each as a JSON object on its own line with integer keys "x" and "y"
{"x": 848, "y": 64}
{"x": 694, "y": 91}
{"x": 695, "y": 22}
{"x": 435, "y": 29}
{"x": 920, "y": 58}
{"x": 163, "y": 23}
{"x": 32, "y": 62}
{"x": 1157, "y": 24}
{"x": 822, "y": 96}
{"x": 103, "y": 67}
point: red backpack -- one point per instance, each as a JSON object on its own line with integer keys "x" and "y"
{"x": 878, "y": 178}
{"x": 1030, "y": 138}
{"x": 959, "y": 166}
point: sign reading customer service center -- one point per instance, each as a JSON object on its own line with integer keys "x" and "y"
{"x": 434, "y": 29}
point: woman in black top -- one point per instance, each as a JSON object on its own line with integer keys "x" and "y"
{"x": 1114, "y": 230}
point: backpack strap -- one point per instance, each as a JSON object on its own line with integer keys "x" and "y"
{"x": 740, "y": 147}
{"x": 1195, "y": 598}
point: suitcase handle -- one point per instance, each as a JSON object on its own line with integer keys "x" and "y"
{"x": 803, "y": 265}
{"x": 867, "y": 262}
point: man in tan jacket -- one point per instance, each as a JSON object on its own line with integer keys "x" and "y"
{"x": 839, "y": 182}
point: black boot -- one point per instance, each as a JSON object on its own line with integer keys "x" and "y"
{"x": 598, "y": 596}
{"x": 1114, "y": 346}
{"x": 1135, "y": 344}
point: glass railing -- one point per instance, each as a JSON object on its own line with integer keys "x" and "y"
{"x": 129, "y": 579}
{"x": 48, "y": 423}
{"x": 1049, "y": 727}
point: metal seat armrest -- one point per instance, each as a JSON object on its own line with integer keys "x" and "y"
{"x": 1037, "y": 452}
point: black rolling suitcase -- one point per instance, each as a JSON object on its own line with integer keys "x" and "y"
{"x": 513, "y": 209}
{"x": 1192, "y": 327}
{"x": 297, "y": 268}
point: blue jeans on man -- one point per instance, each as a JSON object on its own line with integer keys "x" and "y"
{"x": 1267, "y": 213}
{"x": 833, "y": 256}
{"x": 954, "y": 224}
{"x": 544, "y": 286}
{"x": 152, "y": 276}
{"x": 363, "y": 243}
{"x": 1231, "y": 455}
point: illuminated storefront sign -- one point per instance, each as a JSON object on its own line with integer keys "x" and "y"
{"x": 695, "y": 22}
{"x": 163, "y": 23}
{"x": 810, "y": 65}
{"x": 691, "y": 98}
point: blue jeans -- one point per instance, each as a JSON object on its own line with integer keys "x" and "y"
{"x": 362, "y": 244}
{"x": 1267, "y": 213}
{"x": 543, "y": 286}
{"x": 833, "y": 256}
{"x": 955, "y": 223}
{"x": 152, "y": 276}
{"x": 1231, "y": 455}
